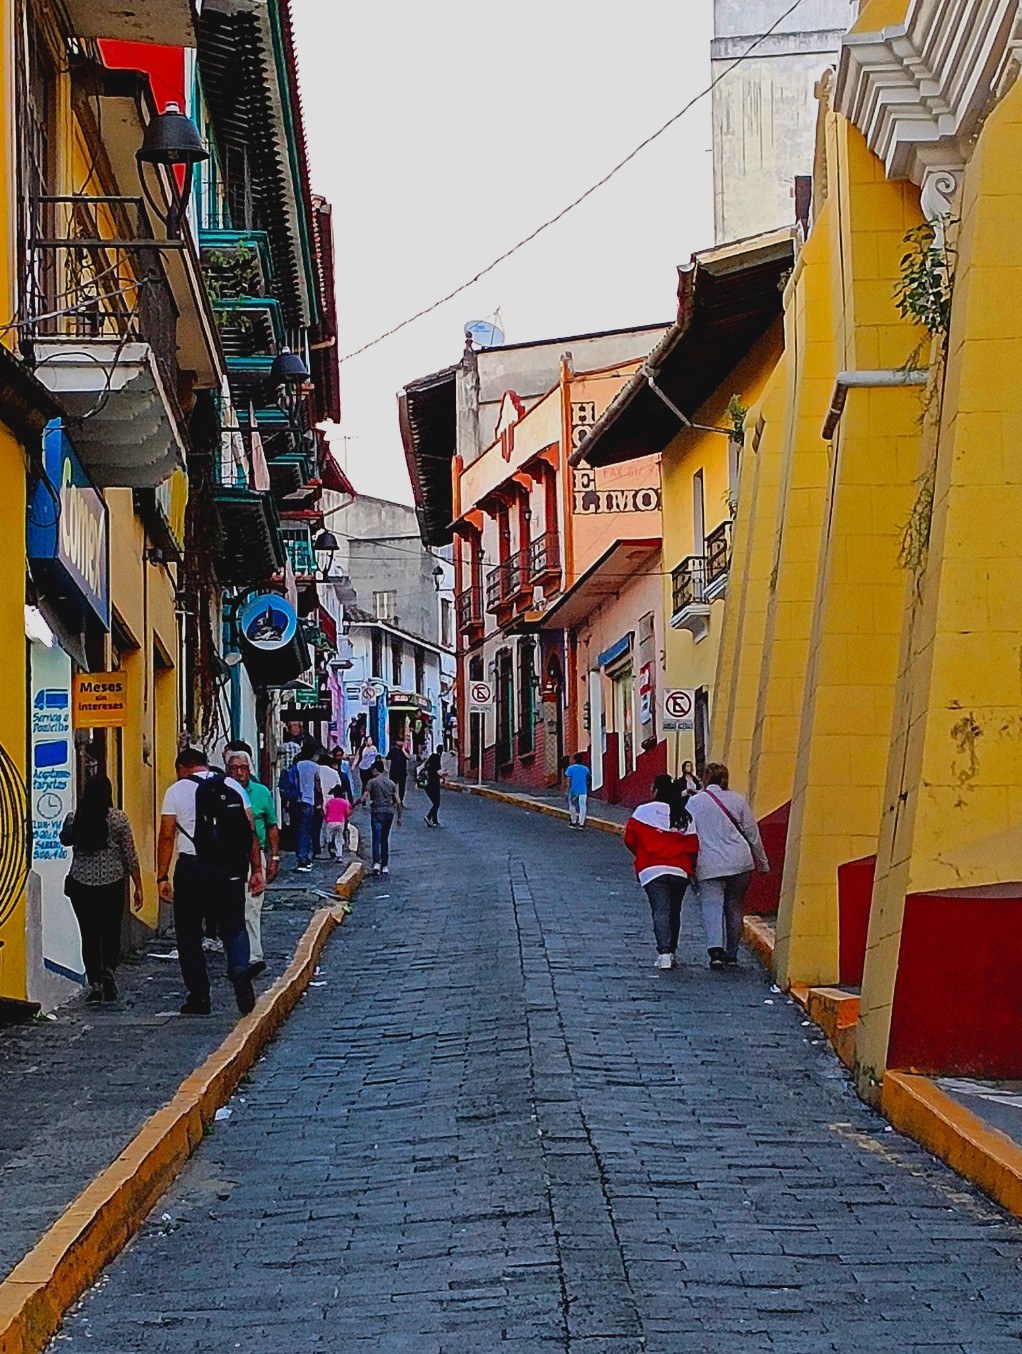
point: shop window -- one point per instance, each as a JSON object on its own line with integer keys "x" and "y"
{"x": 396, "y": 661}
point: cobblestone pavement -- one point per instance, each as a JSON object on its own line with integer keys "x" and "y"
{"x": 492, "y": 1125}
{"x": 75, "y": 1089}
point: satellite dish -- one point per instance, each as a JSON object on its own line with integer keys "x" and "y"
{"x": 484, "y": 333}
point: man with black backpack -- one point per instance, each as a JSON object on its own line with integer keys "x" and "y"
{"x": 209, "y": 817}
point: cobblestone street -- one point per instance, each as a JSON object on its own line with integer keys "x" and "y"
{"x": 491, "y": 1124}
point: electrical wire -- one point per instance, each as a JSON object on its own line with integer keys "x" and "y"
{"x": 559, "y": 216}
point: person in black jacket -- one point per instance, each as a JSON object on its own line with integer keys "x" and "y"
{"x": 433, "y": 779}
{"x": 398, "y": 759}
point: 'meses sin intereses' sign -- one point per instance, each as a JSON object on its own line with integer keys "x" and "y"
{"x": 100, "y": 700}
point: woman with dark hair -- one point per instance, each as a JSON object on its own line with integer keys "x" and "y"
{"x": 665, "y": 854}
{"x": 688, "y": 781}
{"x": 103, "y": 855}
{"x": 730, "y": 850}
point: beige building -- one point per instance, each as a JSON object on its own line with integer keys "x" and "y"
{"x": 764, "y": 111}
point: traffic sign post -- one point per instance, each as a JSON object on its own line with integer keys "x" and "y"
{"x": 678, "y": 716}
{"x": 480, "y": 701}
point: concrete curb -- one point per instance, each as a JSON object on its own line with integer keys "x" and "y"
{"x": 915, "y": 1105}
{"x": 534, "y": 806}
{"x": 347, "y": 886}
{"x": 96, "y": 1226}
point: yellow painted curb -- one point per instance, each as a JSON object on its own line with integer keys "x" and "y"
{"x": 534, "y": 806}
{"x": 990, "y": 1159}
{"x": 347, "y": 885}
{"x": 95, "y": 1227}
{"x": 760, "y": 937}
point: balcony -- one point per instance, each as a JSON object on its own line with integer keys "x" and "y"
{"x": 102, "y": 334}
{"x": 468, "y": 606}
{"x": 248, "y": 549}
{"x": 718, "y": 561}
{"x": 545, "y": 559}
{"x": 519, "y": 580}
{"x": 297, "y": 542}
{"x": 171, "y": 23}
{"x": 691, "y": 610}
{"x": 497, "y": 595}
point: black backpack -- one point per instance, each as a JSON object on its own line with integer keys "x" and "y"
{"x": 223, "y": 833}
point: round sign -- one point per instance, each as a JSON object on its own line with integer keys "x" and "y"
{"x": 480, "y": 693}
{"x": 678, "y": 704}
{"x": 267, "y": 621}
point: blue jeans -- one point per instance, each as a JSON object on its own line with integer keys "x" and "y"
{"x": 381, "y": 824}
{"x": 303, "y": 842}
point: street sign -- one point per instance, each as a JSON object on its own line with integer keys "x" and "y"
{"x": 679, "y": 709}
{"x": 480, "y": 697}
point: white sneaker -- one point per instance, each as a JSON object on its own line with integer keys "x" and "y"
{"x": 664, "y": 961}
{"x": 303, "y": 869}
{"x": 376, "y": 869}
{"x": 385, "y": 870}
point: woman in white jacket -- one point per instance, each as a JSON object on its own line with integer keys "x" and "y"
{"x": 730, "y": 849}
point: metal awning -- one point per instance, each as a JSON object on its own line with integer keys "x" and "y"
{"x": 125, "y": 428}
{"x": 604, "y": 580}
{"x": 170, "y": 23}
{"x": 249, "y": 549}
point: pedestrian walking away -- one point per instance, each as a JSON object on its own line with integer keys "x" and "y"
{"x": 208, "y": 817}
{"x": 664, "y": 849}
{"x": 433, "y": 769}
{"x": 103, "y": 856}
{"x": 578, "y": 779}
{"x": 730, "y": 850}
{"x": 335, "y": 820}
{"x": 307, "y": 776}
{"x": 385, "y": 803}
{"x": 368, "y": 754}
{"x": 264, "y": 820}
{"x": 397, "y": 758}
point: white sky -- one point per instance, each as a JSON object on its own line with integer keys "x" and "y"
{"x": 444, "y": 132}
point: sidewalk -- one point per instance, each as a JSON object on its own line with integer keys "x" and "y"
{"x": 76, "y": 1086}
{"x": 553, "y": 802}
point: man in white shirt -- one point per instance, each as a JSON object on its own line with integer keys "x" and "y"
{"x": 202, "y": 887}
{"x": 307, "y": 770}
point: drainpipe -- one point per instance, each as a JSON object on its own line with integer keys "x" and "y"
{"x": 867, "y": 380}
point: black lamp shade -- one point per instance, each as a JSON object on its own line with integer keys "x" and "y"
{"x": 326, "y": 540}
{"x": 288, "y": 369}
{"x": 172, "y": 139}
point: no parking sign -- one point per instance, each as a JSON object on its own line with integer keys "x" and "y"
{"x": 679, "y": 709}
{"x": 480, "y": 697}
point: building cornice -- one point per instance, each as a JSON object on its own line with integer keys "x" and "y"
{"x": 920, "y": 91}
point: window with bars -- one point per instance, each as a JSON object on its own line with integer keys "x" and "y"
{"x": 526, "y": 697}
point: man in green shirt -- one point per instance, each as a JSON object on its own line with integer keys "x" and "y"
{"x": 264, "y": 817}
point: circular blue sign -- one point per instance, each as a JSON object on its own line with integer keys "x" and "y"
{"x": 267, "y": 621}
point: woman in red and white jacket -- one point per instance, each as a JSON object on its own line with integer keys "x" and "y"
{"x": 665, "y": 859}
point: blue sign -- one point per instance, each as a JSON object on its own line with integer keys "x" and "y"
{"x": 267, "y": 621}
{"x": 67, "y": 526}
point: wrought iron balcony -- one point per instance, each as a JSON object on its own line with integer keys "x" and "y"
{"x": 518, "y": 576}
{"x": 545, "y": 558}
{"x": 718, "y": 558}
{"x": 297, "y": 541}
{"x": 497, "y": 593}
{"x": 688, "y": 588}
{"x": 468, "y": 606}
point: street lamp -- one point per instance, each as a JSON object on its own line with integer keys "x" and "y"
{"x": 171, "y": 139}
{"x": 288, "y": 376}
{"x": 326, "y": 542}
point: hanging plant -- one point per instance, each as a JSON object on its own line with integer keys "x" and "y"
{"x": 924, "y": 292}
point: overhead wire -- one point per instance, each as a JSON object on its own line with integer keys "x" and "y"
{"x": 582, "y": 197}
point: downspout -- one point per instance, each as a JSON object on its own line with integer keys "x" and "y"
{"x": 868, "y": 380}
{"x": 651, "y": 376}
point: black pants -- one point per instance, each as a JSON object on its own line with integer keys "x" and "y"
{"x": 433, "y": 795}
{"x": 401, "y": 781}
{"x": 665, "y": 893}
{"x": 99, "y": 909}
{"x": 200, "y": 892}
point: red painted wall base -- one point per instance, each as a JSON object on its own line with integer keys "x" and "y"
{"x": 765, "y": 891}
{"x": 854, "y": 897}
{"x": 957, "y": 1003}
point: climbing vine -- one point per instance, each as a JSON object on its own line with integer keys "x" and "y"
{"x": 915, "y": 537}
{"x": 924, "y": 291}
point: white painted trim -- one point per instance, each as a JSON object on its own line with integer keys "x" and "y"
{"x": 919, "y": 91}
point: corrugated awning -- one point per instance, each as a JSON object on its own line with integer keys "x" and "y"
{"x": 426, "y": 410}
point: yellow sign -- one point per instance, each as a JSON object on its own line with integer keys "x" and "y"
{"x": 100, "y": 700}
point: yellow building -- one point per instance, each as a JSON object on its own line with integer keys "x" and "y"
{"x": 869, "y": 671}
{"x": 108, "y": 337}
{"x": 695, "y": 400}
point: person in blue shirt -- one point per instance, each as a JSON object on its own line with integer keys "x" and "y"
{"x": 578, "y": 778}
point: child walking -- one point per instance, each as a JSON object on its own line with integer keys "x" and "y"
{"x": 336, "y": 812}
